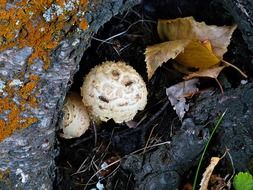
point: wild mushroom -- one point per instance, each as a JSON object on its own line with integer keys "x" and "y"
{"x": 76, "y": 119}
{"x": 114, "y": 90}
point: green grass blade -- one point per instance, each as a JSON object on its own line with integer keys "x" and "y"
{"x": 205, "y": 148}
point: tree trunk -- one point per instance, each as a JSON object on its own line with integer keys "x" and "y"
{"x": 41, "y": 46}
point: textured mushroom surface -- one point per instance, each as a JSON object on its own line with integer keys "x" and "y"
{"x": 76, "y": 119}
{"x": 114, "y": 90}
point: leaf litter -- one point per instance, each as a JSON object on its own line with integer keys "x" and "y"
{"x": 188, "y": 28}
{"x": 178, "y": 93}
{"x": 192, "y": 44}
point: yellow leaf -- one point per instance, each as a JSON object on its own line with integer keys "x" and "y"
{"x": 157, "y": 54}
{"x": 193, "y": 45}
{"x": 183, "y": 69}
{"x": 208, "y": 45}
{"x": 197, "y": 55}
{"x": 188, "y": 28}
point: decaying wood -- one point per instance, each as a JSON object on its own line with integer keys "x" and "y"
{"x": 164, "y": 167}
{"x": 235, "y": 131}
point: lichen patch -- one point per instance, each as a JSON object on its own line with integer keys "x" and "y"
{"x": 40, "y": 25}
{"x": 13, "y": 104}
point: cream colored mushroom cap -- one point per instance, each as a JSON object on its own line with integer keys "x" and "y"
{"x": 114, "y": 90}
{"x": 76, "y": 119}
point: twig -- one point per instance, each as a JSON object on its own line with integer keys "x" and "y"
{"x": 146, "y": 125}
{"x": 115, "y": 162}
{"x": 150, "y": 121}
{"x": 149, "y": 138}
{"x": 232, "y": 163}
{"x": 220, "y": 86}
{"x": 128, "y": 181}
{"x": 121, "y": 33}
{"x": 79, "y": 170}
{"x": 151, "y": 146}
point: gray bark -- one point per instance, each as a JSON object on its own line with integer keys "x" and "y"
{"x": 242, "y": 12}
{"x": 27, "y": 156}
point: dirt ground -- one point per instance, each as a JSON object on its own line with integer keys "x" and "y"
{"x": 160, "y": 153}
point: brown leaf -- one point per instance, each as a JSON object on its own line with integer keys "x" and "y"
{"x": 208, "y": 172}
{"x": 188, "y": 28}
{"x": 157, "y": 54}
{"x": 212, "y": 72}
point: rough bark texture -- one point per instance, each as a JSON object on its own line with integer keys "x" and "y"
{"x": 27, "y": 156}
{"x": 242, "y": 12}
{"x": 235, "y": 132}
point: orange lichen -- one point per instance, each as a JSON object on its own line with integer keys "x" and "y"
{"x": 15, "y": 119}
{"x": 40, "y": 24}
{"x": 83, "y": 24}
{"x": 25, "y": 90}
{"x": 4, "y": 174}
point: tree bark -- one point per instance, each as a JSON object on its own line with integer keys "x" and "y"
{"x": 27, "y": 155}
{"x": 242, "y": 12}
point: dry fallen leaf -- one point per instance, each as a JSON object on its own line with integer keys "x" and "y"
{"x": 212, "y": 72}
{"x": 188, "y": 28}
{"x": 197, "y": 55}
{"x": 177, "y": 95}
{"x": 208, "y": 172}
{"x": 190, "y": 53}
{"x": 193, "y": 45}
{"x": 157, "y": 54}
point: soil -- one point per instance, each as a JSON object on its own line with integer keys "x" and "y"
{"x": 162, "y": 152}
